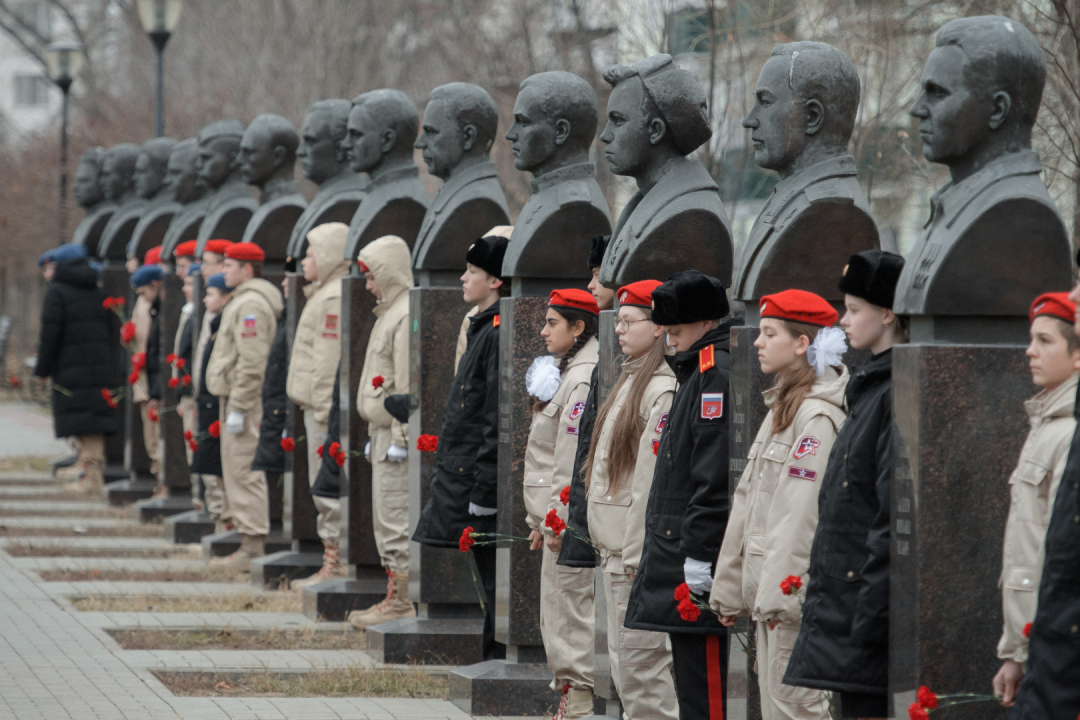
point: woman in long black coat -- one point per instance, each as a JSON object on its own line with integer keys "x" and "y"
{"x": 207, "y": 458}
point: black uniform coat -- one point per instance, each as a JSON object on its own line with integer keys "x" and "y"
{"x": 269, "y": 455}
{"x": 207, "y": 459}
{"x": 575, "y": 551}
{"x": 466, "y": 462}
{"x": 843, "y": 645}
{"x": 185, "y": 350}
{"x": 154, "y": 385}
{"x": 328, "y": 480}
{"x": 78, "y": 349}
{"x": 688, "y": 503}
{"x": 1051, "y": 688}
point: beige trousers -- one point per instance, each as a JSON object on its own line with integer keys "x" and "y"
{"x": 389, "y": 502}
{"x": 245, "y": 489}
{"x": 780, "y": 701}
{"x": 214, "y": 498}
{"x": 91, "y": 450}
{"x": 151, "y": 432}
{"x": 188, "y": 414}
{"x": 568, "y": 622}
{"x": 329, "y": 523}
{"x": 640, "y": 660}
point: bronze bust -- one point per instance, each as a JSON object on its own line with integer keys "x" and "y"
{"x": 656, "y": 117}
{"x": 189, "y": 196}
{"x": 459, "y": 128}
{"x": 229, "y": 206}
{"x": 267, "y": 160}
{"x": 151, "y": 186}
{"x": 118, "y": 185}
{"x": 817, "y": 216}
{"x": 995, "y": 239}
{"x": 555, "y": 121}
{"x": 91, "y": 197}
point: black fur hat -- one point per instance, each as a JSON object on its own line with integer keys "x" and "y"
{"x": 399, "y": 406}
{"x": 687, "y": 297}
{"x": 596, "y": 251}
{"x": 487, "y": 254}
{"x": 872, "y": 275}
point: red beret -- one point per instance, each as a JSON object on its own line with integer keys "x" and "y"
{"x": 153, "y": 256}
{"x": 799, "y": 306}
{"x": 217, "y": 246}
{"x": 575, "y": 299}
{"x": 362, "y": 266}
{"x": 638, "y": 293}
{"x": 248, "y": 252}
{"x": 185, "y": 249}
{"x": 1055, "y": 305}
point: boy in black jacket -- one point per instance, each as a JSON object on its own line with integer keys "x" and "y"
{"x": 464, "y": 488}
{"x": 688, "y": 505}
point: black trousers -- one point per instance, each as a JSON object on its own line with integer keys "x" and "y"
{"x": 485, "y": 565}
{"x": 700, "y": 667}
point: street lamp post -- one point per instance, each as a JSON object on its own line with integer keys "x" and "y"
{"x": 65, "y": 60}
{"x": 159, "y": 18}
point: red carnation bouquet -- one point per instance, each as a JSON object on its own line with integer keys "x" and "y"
{"x": 427, "y": 443}
{"x": 927, "y": 701}
{"x": 215, "y": 429}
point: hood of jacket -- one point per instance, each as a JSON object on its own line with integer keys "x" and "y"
{"x": 260, "y": 287}
{"x": 1056, "y": 403}
{"x": 327, "y": 243}
{"x": 877, "y": 370}
{"x": 390, "y": 262}
{"x": 76, "y": 273}
{"x": 685, "y": 363}
{"x": 589, "y": 353}
{"x": 828, "y": 388}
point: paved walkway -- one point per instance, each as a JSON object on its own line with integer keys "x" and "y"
{"x": 27, "y": 431}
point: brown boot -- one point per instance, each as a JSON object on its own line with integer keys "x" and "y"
{"x": 327, "y": 571}
{"x": 395, "y": 606}
{"x": 251, "y": 547}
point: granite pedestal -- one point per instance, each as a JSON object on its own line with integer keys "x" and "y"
{"x": 188, "y": 527}
{"x": 115, "y": 281}
{"x": 228, "y": 542}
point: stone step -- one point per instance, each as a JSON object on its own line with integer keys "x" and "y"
{"x": 238, "y": 622}
{"x": 163, "y": 589}
{"x": 67, "y": 522}
{"x": 47, "y": 564}
{"x": 246, "y": 660}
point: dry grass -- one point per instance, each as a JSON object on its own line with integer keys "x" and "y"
{"x": 58, "y": 510}
{"x": 207, "y": 574}
{"x": 148, "y": 530}
{"x": 345, "y": 682}
{"x": 27, "y": 550}
{"x": 24, "y": 464}
{"x": 238, "y": 640}
{"x": 279, "y": 602}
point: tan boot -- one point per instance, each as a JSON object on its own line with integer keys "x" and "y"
{"x": 251, "y": 547}
{"x": 327, "y": 571}
{"x": 395, "y": 606}
{"x": 70, "y": 473}
{"x": 579, "y": 703}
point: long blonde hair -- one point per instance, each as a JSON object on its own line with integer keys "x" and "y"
{"x": 794, "y": 387}
{"x": 626, "y": 434}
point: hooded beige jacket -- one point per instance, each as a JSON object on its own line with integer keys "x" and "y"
{"x": 1032, "y": 487}
{"x": 238, "y": 363}
{"x": 775, "y": 509}
{"x": 316, "y": 348}
{"x": 140, "y": 315}
{"x": 390, "y": 262}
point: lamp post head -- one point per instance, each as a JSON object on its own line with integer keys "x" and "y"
{"x": 65, "y": 61}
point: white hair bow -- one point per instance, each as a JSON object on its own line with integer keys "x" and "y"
{"x": 827, "y": 349}
{"x": 543, "y": 379}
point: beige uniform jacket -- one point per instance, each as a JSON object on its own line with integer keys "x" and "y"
{"x": 316, "y": 348}
{"x": 140, "y": 315}
{"x": 200, "y": 348}
{"x": 389, "y": 261}
{"x": 617, "y": 516}
{"x": 463, "y": 336}
{"x": 553, "y": 438}
{"x": 1032, "y": 487}
{"x": 238, "y": 363}
{"x": 775, "y": 509}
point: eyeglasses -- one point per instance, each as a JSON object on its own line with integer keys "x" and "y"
{"x": 624, "y": 324}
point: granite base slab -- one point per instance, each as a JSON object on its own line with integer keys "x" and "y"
{"x": 127, "y": 492}
{"x": 438, "y": 641}
{"x": 274, "y": 571}
{"x": 161, "y": 507}
{"x": 226, "y": 543}
{"x": 188, "y": 527}
{"x": 499, "y": 687}
{"x": 334, "y": 599}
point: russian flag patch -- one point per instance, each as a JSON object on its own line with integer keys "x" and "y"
{"x": 712, "y": 405}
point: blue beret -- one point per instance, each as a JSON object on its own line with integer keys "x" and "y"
{"x": 146, "y": 275}
{"x": 68, "y": 251}
{"x": 194, "y": 268}
{"x": 95, "y": 266}
{"x": 218, "y": 281}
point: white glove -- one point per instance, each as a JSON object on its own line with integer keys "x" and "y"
{"x": 698, "y": 576}
{"x": 397, "y": 454}
{"x": 367, "y": 451}
{"x": 235, "y": 423}
{"x": 478, "y": 511}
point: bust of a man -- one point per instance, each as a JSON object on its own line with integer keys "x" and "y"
{"x": 152, "y": 188}
{"x": 189, "y": 194}
{"x": 267, "y": 160}
{"x": 657, "y": 116}
{"x": 381, "y": 129}
{"x": 90, "y": 196}
{"x": 118, "y": 186}
{"x": 995, "y": 239}
{"x": 325, "y": 162}
{"x": 817, "y": 217}
{"x": 459, "y": 128}
{"x": 555, "y": 121}
{"x": 230, "y": 205}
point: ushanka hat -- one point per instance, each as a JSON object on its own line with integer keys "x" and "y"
{"x": 872, "y": 275}
{"x": 687, "y": 297}
{"x": 1055, "y": 305}
{"x": 574, "y": 299}
{"x": 638, "y": 293}
{"x": 597, "y": 248}
{"x": 487, "y": 253}
{"x": 245, "y": 252}
{"x": 400, "y": 406}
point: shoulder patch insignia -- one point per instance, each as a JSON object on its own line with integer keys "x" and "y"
{"x": 249, "y": 322}
{"x": 712, "y": 405}
{"x": 807, "y": 446}
{"x": 801, "y": 473}
{"x": 331, "y": 322}
{"x": 572, "y": 430}
{"x": 660, "y": 425}
{"x": 706, "y": 358}
{"x": 577, "y": 410}
{"x": 495, "y": 321}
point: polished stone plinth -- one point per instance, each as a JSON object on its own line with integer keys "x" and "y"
{"x": 274, "y": 571}
{"x": 162, "y": 507}
{"x": 188, "y": 527}
{"x": 116, "y": 282}
{"x": 498, "y": 687}
{"x": 172, "y": 449}
{"x": 334, "y": 599}
{"x": 127, "y": 492}
{"x": 432, "y": 641}
{"x": 959, "y": 410}
{"x": 228, "y": 542}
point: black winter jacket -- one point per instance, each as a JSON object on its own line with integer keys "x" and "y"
{"x": 1051, "y": 687}
{"x": 153, "y": 354}
{"x": 327, "y": 482}
{"x": 467, "y": 459}
{"x": 575, "y": 551}
{"x": 78, "y": 349}
{"x": 185, "y": 350}
{"x": 269, "y": 455}
{"x": 844, "y": 641}
{"x": 207, "y": 459}
{"x": 689, "y": 500}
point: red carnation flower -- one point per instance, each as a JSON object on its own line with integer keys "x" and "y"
{"x": 153, "y": 415}
{"x": 1027, "y": 634}
{"x": 335, "y": 448}
{"x": 688, "y": 611}
{"x": 318, "y": 451}
{"x": 467, "y": 541}
{"x": 917, "y": 713}
{"x": 926, "y": 698}
{"x": 181, "y": 363}
{"x": 186, "y": 380}
{"x": 682, "y": 592}
{"x": 107, "y": 395}
{"x": 174, "y": 382}
{"x": 288, "y": 444}
{"x": 377, "y": 381}
{"x": 138, "y": 361}
{"x": 193, "y": 445}
{"x": 339, "y": 458}
{"x": 564, "y": 496}
{"x": 14, "y": 381}
{"x": 127, "y": 332}
{"x": 554, "y": 522}
{"x": 188, "y": 435}
{"x": 215, "y": 429}
{"x": 107, "y": 303}
{"x": 170, "y": 358}
{"x": 133, "y": 378}
{"x": 790, "y": 585}
{"x": 427, "y": 443}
